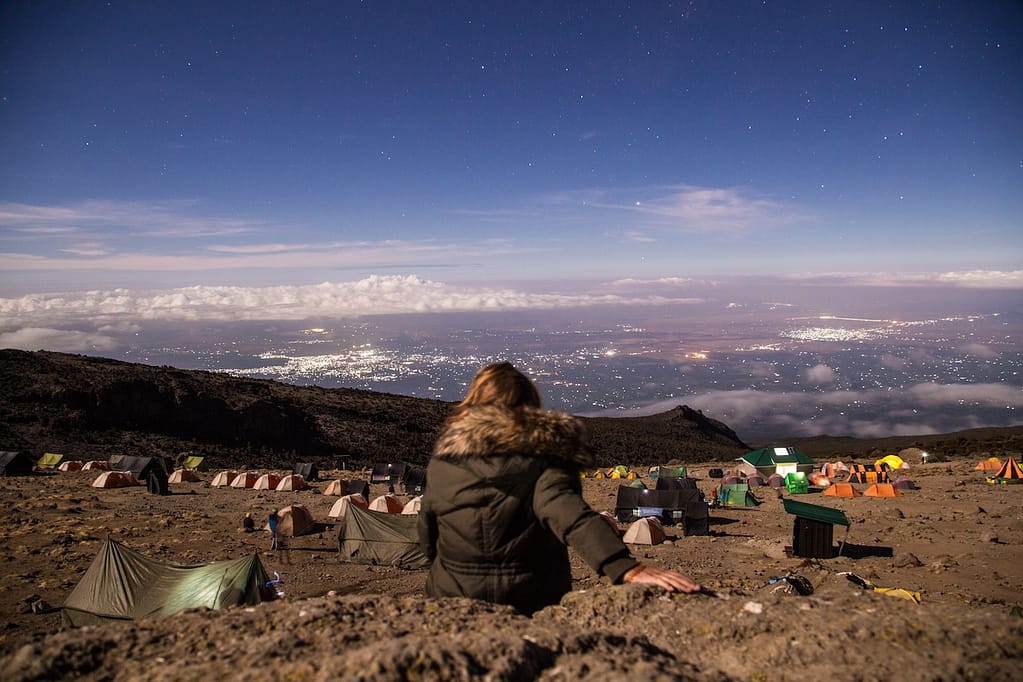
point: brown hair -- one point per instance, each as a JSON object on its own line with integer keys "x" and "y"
{"x": 502, "y": 385}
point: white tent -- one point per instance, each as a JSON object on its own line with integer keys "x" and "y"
{"x": 386, "y": 503}
{"x": 341, "y": 506}
{"x": 645, "y": 531}
{"x": 412, "y": 506}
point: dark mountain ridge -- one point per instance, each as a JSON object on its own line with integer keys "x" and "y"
{"x": 90, "y": 408}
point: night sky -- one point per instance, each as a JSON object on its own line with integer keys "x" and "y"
{"x": 172, "y": 144}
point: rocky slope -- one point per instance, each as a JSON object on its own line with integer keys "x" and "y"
{"x": 87, "y": 408}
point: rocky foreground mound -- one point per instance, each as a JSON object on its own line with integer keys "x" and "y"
{"x": 628, "y": 632}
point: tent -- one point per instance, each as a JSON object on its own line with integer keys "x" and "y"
{"x": 307, "y": 470}
{"x": 989, "y": 464}
{"x": 414, "y": 481}
{"x": 834, "y": 470}
{"x": 731, "y": 479}
{"x": 882, "y": 490}
{"x": 368, "y": 537}
{"x": 645, "y": 531}
{"x": 387, "y": 472}
{"x": 841, "y": 490}
{"x": 122, "y": 584}
{"x": 357, "y": 488}
{"x": 223, "y": 479}
{"x": 756, "y": 481}
{"x": 267, "y": 481}
{"x": 736, "y": 495}
{"x": 685, "y": 506}
{"x": 183, "y": 476}
{"x": 336, "y": 487}
{"x": 413, "y": 506}
{"x": 671, "y": 483}
{"x": 246, "y": 479}
{"x": 115, "y": 479}
{"x": 1009, "y": 473}
{"x": 670, "y": 472}
{"x": 291, "y": 482}
{"x": 15, "y": 464}
{"x": 50, "y": 460}
{"x": 193, "y": 463}
{"x": 141, "y": 467}
{"x": 818, "y": 480}
{"x": 893, "y": 462}
{"x": 905, "y": 484}
{"x": 767, "y": 461}
{"x": 776, "y": 481}
{"x": 341, "y": 506}
{"x": 639, "y": 484}
{"x": 389, "y": 504}
{"x": 71, "y": 465}
{"x": 795, "y": 482}
{"x": 95, "y": 465}
{"x": 295, "y": 520}
{"x": 864, "y": 473}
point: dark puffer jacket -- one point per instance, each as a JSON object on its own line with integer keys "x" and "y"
{"x": 502, "y": 501}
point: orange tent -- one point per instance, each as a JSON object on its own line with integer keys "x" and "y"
{"x": 266, "y": 482}
{"x": 245, "y": 480}
{"x": 818, "y": 479}
{"x": 336, "y": 487}
{"x": 341, "y": 506}
{"x": 115, "y": 479}
{"x": 224, "y": 478}
{"x": 183, "y": 476}
{"x": 70, "y": 465}
{"x": 295, "y": 520}
{"x": 291, "y": 482}
{"x": 1009, "y": 473}
{"x": 882, "y": 490}
{"x": 989, "y": 464}
{"x": 842, "y": 490}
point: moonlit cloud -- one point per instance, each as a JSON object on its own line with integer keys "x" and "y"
{"x": 820, "y": 374}
{"x": 686, "y": 208}
{"x": 63, "y": 340}
{"x": 913, "y": 411}
{"x": 974, "y": 279}
{"x": 375, "y": 295}
{"x": 162, "y": 219}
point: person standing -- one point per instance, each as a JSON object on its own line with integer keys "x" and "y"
{"x": 272, "y": 523}
{"x": 503, "y": 501}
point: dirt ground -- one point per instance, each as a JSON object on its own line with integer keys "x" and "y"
{"x": 957, "y": 540}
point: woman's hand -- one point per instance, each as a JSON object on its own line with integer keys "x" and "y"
{"x": 669, "y": 580}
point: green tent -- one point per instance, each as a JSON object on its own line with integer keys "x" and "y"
{"x": 736, "y": 495}
{"x": 671, "y": 472}
{"x": 122, "y": 584}
{"x": 50, "y": 460}
{"x": 796, "y": 482}
{"x": 369, "y": 537}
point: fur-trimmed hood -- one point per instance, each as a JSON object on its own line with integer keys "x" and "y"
{"x": 488, "y": 430}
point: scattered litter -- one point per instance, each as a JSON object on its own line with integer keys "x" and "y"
{"x": 902, "y": 593}
{"x": 792, "y": 584}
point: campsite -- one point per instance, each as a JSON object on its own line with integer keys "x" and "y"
{"x": 953, "y": 542}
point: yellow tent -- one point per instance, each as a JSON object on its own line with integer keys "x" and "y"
{"x": 893, "y": 461}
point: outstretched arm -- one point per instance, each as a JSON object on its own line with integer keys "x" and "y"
{"x": 669, "y": 580}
